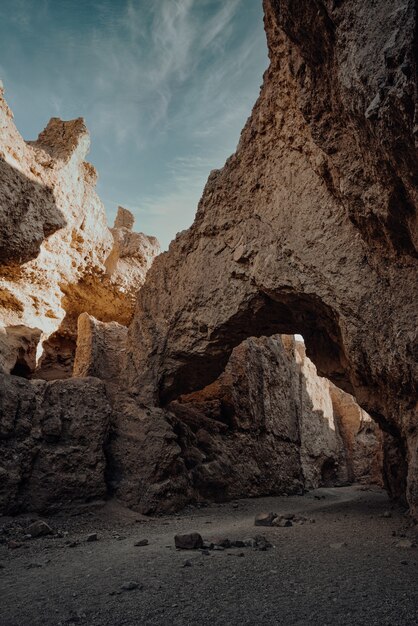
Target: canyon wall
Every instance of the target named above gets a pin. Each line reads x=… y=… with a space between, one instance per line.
x=267 y=425
x=309 y=228
x=58 y=258
x=52 y=437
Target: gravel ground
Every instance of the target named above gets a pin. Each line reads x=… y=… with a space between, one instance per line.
x=346 y=568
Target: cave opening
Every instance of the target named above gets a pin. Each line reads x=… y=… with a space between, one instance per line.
x=21 y=369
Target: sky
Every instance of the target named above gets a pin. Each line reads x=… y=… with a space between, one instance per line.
x=165 y=87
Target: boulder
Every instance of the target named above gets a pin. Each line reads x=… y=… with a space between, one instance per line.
x=190 y=541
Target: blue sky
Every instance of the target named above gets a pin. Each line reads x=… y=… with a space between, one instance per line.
x=165 y=87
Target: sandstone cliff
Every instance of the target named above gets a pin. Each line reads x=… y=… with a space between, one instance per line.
x=58 y=258
x=309 y=228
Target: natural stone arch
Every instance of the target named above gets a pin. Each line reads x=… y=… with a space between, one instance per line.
x=308 y=228
x=264 y=315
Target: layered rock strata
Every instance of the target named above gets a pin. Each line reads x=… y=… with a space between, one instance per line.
x=309 y=228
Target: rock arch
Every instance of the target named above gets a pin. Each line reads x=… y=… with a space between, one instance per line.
x=309 y=227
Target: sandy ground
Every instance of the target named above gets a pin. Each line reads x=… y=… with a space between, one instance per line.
x=307 y=577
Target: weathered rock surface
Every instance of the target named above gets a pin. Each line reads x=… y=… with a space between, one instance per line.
x=52 y=437
x=265 y=426
x=240 y=436
x=18 y=346
x=309 y=228
x=100 y=350
x=58 y=258
x=362 y=439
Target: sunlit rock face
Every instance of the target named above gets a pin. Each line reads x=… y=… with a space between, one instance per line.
x=58 y=261
x=309 y=228
x=58 y=258
x=340 y=443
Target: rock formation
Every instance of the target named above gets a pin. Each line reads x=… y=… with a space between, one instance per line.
x=266 y=426
x=58 y=258
x=309 y=228
x=52 y=437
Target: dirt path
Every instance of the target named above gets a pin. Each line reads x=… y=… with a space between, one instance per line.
x=307 y=577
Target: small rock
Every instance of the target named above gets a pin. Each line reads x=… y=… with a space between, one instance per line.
x=261 y=543
x=92 y=537
x=220 y=548
x=33 y=565
x=130 y=586
x=190 y=541
x=282 y=522
x=207 y=545
x=13 y=545
x=187 y=563
x=387 y=514
x=405 y=543
x=205 y=552
x=337 y=546
x=264 y=519
x=141 y=543
x=73 y=544
x=237 y=544
x=39 y=529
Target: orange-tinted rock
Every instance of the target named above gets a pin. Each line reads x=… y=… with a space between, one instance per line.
x=58 y=258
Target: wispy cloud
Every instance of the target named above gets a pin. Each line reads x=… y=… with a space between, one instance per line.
x=165 y=86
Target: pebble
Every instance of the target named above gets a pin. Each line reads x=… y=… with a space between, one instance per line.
x=39 y=529
x=141 y=542
x=189 y=541
x=187 y=563
x=130 y=586
x=264 y=519
x=337 y=546
x=405 y=543
x=92 y=537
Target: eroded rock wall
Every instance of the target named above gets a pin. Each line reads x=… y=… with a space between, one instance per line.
x=311 y=225
x=267 y=425
x=58 y=258
x=52 y=439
